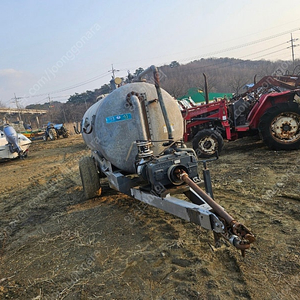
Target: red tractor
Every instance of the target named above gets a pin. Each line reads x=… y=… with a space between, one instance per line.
x=270 y=108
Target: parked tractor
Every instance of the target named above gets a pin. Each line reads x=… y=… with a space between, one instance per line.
x=54 y=131
x=269 y=109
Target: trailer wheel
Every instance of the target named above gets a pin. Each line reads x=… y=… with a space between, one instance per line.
x=207 y=143
x=89 y=177
x=279 y=126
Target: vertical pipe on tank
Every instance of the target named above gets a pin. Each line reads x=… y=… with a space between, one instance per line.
x=162 y=104
x=136 y=102
x=160 y=97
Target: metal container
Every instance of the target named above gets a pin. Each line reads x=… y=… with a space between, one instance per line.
x=130 y=113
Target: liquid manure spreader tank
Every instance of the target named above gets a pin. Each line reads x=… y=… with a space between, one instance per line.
x=135 y=136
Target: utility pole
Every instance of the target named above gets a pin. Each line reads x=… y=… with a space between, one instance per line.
x=18 y=106
x=112 y=81
x=113 y=71
x=293 y=46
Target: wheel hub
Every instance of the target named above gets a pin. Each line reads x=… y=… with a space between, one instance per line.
x=208 y=145
x=286 y=127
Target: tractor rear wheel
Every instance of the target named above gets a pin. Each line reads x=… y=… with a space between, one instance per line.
x=207 y=143
x=89 y=177
x=66 y=133
x=279 y=126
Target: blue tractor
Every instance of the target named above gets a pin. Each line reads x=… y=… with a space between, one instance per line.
x=54 y=131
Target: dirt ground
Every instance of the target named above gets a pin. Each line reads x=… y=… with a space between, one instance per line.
x=56 y=245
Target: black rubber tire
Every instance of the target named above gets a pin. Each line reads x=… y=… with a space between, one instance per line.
x=52 y=134
x=66 y=133
x=207 y=143
x=89 y=177
x=279 y=126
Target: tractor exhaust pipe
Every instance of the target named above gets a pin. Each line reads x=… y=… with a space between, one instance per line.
x=206 y=89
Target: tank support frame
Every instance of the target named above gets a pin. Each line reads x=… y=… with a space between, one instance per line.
x=200 y=213
x=202 y=210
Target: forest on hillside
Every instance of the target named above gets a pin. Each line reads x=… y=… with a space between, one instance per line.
x=224 y=75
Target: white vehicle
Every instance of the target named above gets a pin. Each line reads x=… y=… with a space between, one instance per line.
x=13 y=144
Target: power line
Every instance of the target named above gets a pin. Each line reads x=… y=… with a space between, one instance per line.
x=238 y=47
x=245 y=44
x=227 y=49
x=263 y=51
x=79 y=84
x=226 y=64
x=64 y=89
x=70 y=87
x=207 y=54
x=270 y=53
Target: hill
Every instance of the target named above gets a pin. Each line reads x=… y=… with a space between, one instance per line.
x=225 y=75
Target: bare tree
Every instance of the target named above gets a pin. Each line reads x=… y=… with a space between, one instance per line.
x=237 y=84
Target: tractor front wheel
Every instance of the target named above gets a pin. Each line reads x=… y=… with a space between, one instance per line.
x=279 y=126
x=207 y=143
x=52 y=134
x=89 y=177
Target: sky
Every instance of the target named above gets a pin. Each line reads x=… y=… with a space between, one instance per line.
x=53 y=49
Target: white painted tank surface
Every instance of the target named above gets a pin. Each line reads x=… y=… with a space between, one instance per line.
x=130 y=113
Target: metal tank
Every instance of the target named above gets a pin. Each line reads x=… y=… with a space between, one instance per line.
x=130 y=113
